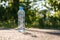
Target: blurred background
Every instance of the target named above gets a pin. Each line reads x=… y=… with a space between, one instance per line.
x=38 y=13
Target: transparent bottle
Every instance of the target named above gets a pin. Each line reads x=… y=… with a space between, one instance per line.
x=21 y=20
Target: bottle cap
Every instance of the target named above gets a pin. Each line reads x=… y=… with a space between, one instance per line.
x=20 y=8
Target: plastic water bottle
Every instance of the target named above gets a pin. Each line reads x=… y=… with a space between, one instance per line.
x=21 y=20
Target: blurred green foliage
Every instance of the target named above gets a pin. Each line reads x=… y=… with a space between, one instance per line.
x=44 y=18
x=9 y=17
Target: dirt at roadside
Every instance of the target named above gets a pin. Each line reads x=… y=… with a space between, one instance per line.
x=30 y=34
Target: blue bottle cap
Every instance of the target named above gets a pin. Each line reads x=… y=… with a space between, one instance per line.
x=20 y=8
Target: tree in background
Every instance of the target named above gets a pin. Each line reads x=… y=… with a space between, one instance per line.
x=54 y=4
x=38 y=13
x=50 y=12
x=9 y=14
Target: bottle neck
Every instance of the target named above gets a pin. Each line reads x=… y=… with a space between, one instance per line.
x=20 y=9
